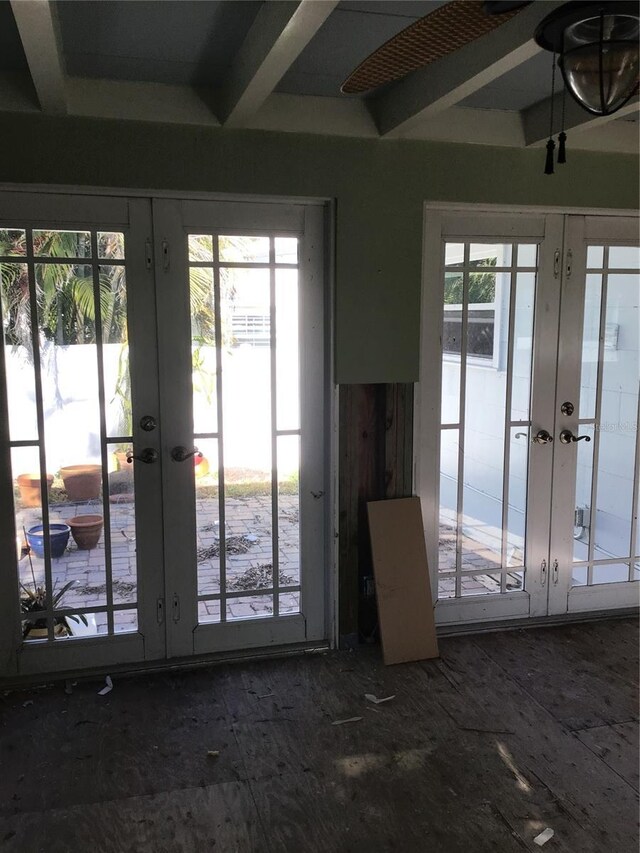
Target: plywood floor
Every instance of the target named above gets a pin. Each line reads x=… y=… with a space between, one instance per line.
x=503 y=736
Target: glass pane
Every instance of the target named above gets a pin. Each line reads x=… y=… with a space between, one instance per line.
x=527 y=255
x=454 y=254
x=289 y=603
x=579 y=576
x=517 y=496
x=584 y=477
x=12 y=242
x=15 y=314
x=617 y=437
x=287 y=349
x=245 y=250
x=249 y=607
x=111 y=245
x=523 y=345
x=200 y=247
x=490 y=255
x=448 y=499
x=447 y=587
x=286 y=250
x=203 y=350
x=123 y=525
x=62 y=244
x=208 y=611
x=246 y=384
x=289 y=509
x=590 y=344
x=125 y=621
x=595 y=257
x=115 y=350
x=205 y=470
x=480 y=584
x=482 y=288
x=624 y=257
x=617 y=573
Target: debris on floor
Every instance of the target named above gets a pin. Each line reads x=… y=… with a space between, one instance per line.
x=259 y=577
x=213 y=753
x=233 y=545
x=107 y=688
x=374 y=699
x=544 y=836
x=348 y=720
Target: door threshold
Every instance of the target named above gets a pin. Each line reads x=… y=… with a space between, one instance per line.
x=535 y=622
x=129 y=670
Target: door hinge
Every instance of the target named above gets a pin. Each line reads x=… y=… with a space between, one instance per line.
x=175 y=607
x=554 y=572
x=556 y=263
x=160 y=610
x=148 y=254
x=569 y=263
x=543 y=572
x=166 y=260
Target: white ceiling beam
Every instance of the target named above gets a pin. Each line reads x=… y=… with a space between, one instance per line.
x=38 y=27
x=276 y=38
x=535 y=119
x=447 y=81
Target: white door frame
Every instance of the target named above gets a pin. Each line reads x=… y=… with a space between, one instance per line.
x=533 y=602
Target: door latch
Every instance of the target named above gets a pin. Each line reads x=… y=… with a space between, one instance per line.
x=543 y=573
x=160 y=610
x=166 y=260
x=148 y=254
x=556 y=263
x=569 y=263
x=175 y=607
x=554 y=572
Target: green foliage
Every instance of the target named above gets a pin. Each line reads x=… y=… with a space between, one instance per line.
x=482 y=285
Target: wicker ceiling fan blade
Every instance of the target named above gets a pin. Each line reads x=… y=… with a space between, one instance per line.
x=439 y=33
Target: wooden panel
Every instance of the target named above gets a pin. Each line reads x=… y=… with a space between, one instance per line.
x=617 y=746
x=403 y=587
x=375 y=462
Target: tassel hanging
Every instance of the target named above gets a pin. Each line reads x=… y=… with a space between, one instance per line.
x=548 y=165
x=562 y=138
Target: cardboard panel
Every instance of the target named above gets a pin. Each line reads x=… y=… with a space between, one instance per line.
x=403 y=590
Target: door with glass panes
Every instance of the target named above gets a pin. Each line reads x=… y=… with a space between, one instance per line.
x=120 y=356
x=527 y=440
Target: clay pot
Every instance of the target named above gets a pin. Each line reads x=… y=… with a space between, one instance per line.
x=82 y=482
x=86 y=530
x=121 y=458
x=29 y=485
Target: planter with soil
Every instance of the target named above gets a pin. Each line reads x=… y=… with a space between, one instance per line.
x=86 y=530
x=29 y=486
x=82 y=482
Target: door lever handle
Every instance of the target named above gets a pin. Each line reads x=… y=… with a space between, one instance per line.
x=148 y=456
x=181 y=453
x=542 y=437
x=567 y=437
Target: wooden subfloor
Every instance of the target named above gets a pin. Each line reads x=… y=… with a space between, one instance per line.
x=479 y=751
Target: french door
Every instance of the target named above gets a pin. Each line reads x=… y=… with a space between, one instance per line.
x=162 y=474
x=526 y=436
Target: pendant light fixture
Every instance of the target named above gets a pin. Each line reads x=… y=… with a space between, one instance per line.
x=596 y=42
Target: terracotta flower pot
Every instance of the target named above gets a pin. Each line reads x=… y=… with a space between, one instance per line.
x=86 y=530
x=82 y=482
x=29 y=485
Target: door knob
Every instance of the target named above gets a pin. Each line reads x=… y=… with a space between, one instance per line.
x=148 y=456
x=567 y=437
x=542 y=437
x=181 y=453
x=148 y=423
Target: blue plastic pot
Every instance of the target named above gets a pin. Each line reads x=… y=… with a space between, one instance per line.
x=58 y=537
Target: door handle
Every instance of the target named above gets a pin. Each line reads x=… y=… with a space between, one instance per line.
x=567 y=437
x=181 y=454
x=148 y=456
x=542 y=437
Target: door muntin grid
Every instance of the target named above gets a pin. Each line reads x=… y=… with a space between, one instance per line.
x=489 y=295
x=65 y=334
x=246 y=403
x=606 y=534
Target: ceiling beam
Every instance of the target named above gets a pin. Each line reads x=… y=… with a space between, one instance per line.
x=535 y=119
x=38 y=27
x=276 y=38
x=449 y=80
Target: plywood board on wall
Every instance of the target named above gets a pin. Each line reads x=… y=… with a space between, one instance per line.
x=403 y=590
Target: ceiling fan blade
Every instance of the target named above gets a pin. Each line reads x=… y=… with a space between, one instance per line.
x=439 y=33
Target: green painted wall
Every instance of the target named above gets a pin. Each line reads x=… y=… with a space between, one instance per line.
x=379 y=187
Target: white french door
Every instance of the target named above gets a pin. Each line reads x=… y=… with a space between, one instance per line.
x=162 y=421
x=538 y=346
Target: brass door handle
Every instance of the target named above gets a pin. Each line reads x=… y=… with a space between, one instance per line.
x=542 y=437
